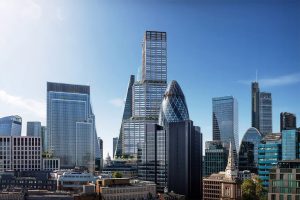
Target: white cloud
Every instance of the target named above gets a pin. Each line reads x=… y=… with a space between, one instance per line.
x=276 y=81
x=36 y=107
x=117 y=102
x=31 y=10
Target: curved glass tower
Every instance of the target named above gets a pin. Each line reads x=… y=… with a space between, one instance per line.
x=248 y=153
x=11 y=126
x=173 y=107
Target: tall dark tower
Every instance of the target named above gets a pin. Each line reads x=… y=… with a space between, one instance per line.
x=287 y=121
x=255 y=104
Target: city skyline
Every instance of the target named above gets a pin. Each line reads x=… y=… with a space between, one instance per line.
x=218 y=57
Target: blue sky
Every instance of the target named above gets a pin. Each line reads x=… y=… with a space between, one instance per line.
x=214 y=49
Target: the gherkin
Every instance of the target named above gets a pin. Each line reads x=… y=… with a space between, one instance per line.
x=173 y=107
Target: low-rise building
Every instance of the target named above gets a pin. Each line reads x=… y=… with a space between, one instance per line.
x=284 y=182
x=123 y=188
x=74 y=181
x=51 y=164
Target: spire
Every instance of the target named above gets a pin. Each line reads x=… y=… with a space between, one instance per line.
x=231 y=169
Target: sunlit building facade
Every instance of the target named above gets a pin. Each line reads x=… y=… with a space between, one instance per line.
x=71 y=133
x=11 y=126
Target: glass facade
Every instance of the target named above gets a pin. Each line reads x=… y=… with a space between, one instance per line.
x=255 y=104
x=225 y=121
x=287 y=121
x=265 y=113
x=34 y=129
x=147 y=93
x=248 y=153
x=290 y=144
x=269 y=153
x=216 y=156
x=173 y=107
x=11 y=126
x=70 y=125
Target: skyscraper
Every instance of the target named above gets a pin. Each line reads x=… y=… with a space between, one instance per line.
x=287 y=121
x=71 y=132
x=34 y=129
x=115 y=142
x=290 y=144
x=171 y=154
x=248 y=152
x=265 y=113
x=147 y=93
x=255 y=104
x=225 y=121
x=11 y=126
x=261 y=109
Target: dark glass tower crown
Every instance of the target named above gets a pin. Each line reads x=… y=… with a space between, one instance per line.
x=173 y=107
x=255 y=104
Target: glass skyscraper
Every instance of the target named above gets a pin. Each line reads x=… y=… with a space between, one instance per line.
x=34 y=129
x=11 y=126
x=290 y=144
x=261 y=109
x=287 y=121
x=147 y=93
x=225 y=121
x=248 y=153
x=71 y=133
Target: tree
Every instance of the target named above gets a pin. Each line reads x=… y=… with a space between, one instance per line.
x=253 y=189
x=117 y=175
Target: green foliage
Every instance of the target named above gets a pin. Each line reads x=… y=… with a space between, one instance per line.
x=253 y=189
x=117 y=175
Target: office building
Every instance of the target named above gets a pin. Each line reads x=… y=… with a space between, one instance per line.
x=71 y=132
x=269 y=153
x=44 y=138
x=34 y=129
x=171 y=152
x=225 y=184
x=287 y=121
x=123 y=188
x=51 y=164
x=284 y=181
x=147 y=93
x=20 y=153
x=127 y=113
x=261 y=109
x=255 y=104
x=127 y=168
x=115 y=143
x=290 y=144
x=216 y=156
x=11 y=126
x=265 y=113
x=99 y=157
x=225 y=121
x=248 y=153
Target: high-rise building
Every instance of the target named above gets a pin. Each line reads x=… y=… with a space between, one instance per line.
x=284 y=181
x=71 y=132
x=11 y=126
x=225 y=184
x=147 y=93
x=265 y=113
x=225 y=121
x=171 y=154
x=269 y=153
x=99 y=157
x=216 y=156
x=34 y=129
x=290 y=144
x=44 y=138
x=127 y=114
x=261 y=109
x=248 y=153
x=287 y=121
x=115 y=143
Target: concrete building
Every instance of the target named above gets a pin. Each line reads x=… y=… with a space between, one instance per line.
x=285 y=181
x=20 y=153
x=127 y=168
x=223 y=185
x=123 y=189
x=51 y=164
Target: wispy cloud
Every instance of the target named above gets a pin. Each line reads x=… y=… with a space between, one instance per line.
x=31 y=10
x=36 y=107
x=276 y=81
x=117 y=102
